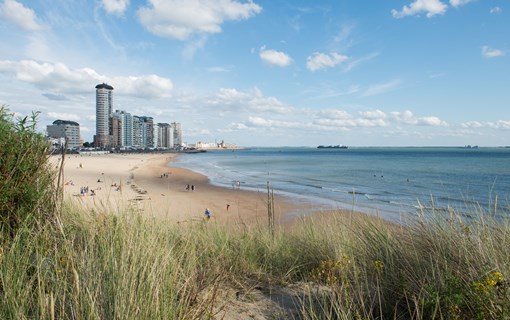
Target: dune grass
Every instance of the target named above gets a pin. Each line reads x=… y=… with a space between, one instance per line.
x=61 y=262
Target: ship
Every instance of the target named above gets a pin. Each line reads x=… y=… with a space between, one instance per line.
x=339 y=146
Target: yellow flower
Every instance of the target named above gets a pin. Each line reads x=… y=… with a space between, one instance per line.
x=379 y=265
x=481 y=287
x=490 y=282
x=496 y=276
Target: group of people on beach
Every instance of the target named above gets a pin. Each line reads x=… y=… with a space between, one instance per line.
x=165 y=175
x=190 y=187
x=85 y=190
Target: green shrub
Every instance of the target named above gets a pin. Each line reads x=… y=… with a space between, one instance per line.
x=27 y=187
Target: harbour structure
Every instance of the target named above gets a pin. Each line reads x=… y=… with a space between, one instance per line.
x=104 y=106
x=67 y=130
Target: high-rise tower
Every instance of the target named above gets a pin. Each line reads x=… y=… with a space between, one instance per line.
x=104 y=107
x=177 y=133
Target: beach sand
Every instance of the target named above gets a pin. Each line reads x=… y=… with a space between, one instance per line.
x=146 y=183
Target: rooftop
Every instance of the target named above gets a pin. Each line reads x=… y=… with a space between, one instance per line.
x=104 y=86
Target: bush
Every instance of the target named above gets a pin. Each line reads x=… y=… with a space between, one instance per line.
x=27 y=186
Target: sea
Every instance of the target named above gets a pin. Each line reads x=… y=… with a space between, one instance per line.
x=394 y=183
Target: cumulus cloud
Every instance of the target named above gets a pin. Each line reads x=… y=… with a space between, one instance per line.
x=337 y=120
x=430 y=7
x=341 y=118
x=458 y=3
x=117 y=7
x=472 y=125
x=319 y=60
x=59 y=78
x=488 y=52
x=375 y=114
x=180 y=19
x=253 y=100
x=18 y=14
x=274 y=57
x=501 y=124
x=407 y=117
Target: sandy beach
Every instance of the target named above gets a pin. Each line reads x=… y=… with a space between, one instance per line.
x=146 y=183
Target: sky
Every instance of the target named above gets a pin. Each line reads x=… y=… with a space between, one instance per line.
x=268 y=72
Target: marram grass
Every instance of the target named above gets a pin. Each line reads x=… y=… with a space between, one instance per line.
x=122 y=266
x=61 y=262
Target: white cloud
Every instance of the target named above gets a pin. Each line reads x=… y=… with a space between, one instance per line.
x=21 y=16
x=180 y=19
x=499 y=124
x=491 y=53
x=407 y=117
x=352 y=63
x=375 y=114
x=431 y=7
x=63 y=116
x=496 y=10
x=381 y=88
x=472 y=124
x=321 y=60
x=59 y=78
x=341 y=118
x=193 y=46
x=117 y=7
x=431 y=121
x=458 y=3
x=261 y=122
x=252 y=100
x=274 y=57
x=218 y=69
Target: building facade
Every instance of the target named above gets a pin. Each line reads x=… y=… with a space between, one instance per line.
x=148 y=132
x=68 y=130
x=104 y=107
x=125 y=128
x=177 y=134
x=165 y=136
x=137 y=132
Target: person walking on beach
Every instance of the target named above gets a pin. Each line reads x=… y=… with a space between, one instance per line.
x=207 y=213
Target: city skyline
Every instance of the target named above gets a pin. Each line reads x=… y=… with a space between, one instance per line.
x=119 y=129
x=269 y=73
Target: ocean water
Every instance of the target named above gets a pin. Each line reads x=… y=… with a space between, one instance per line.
x=390 y=182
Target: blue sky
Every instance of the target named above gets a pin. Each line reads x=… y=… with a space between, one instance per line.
x=268 y=73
